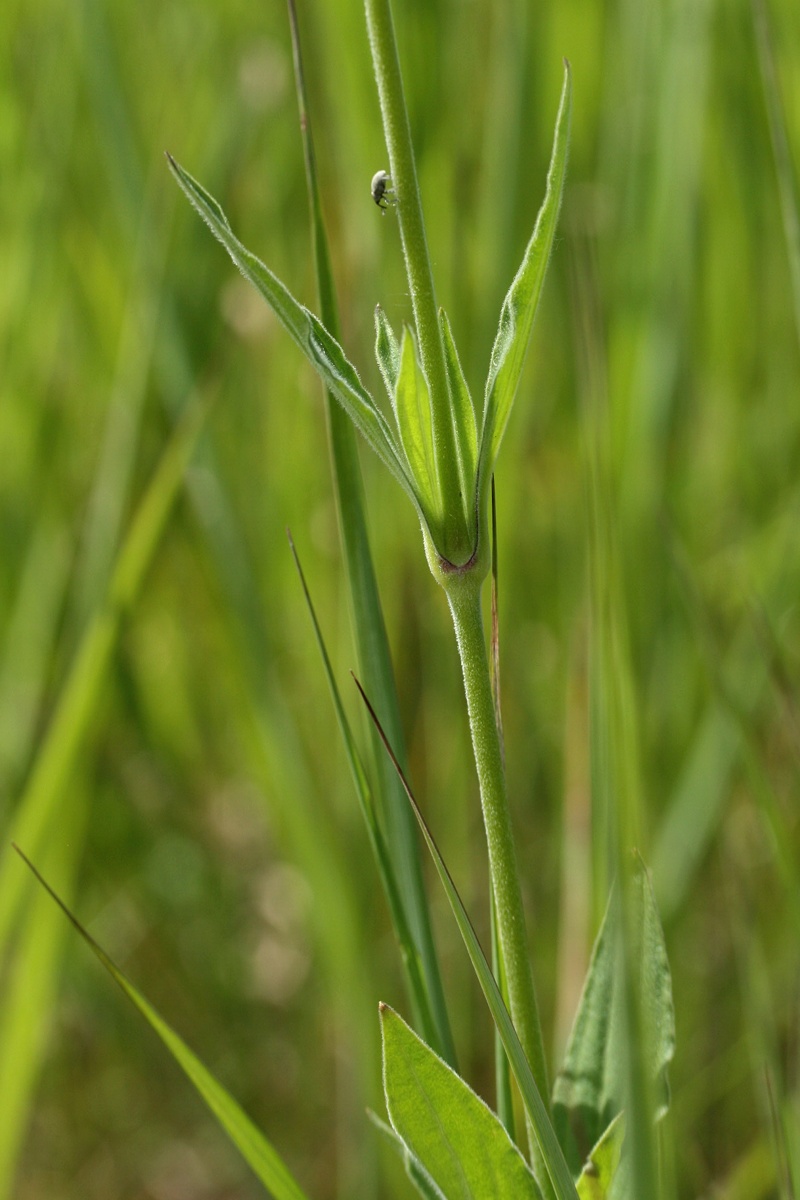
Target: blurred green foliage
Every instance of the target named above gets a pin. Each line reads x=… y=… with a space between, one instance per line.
x=223 y=862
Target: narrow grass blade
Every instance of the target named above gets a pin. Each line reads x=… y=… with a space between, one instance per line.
x=383 y=859
x=505 y=1104
x=38 y=806
x=460 y=1143
x=30 y=986
x=369 y=629
x=319 y=346
x=248 y=1139
x=522 y=300
x=559 y=1175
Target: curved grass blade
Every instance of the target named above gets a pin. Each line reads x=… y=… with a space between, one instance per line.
x=248 y=1139
x=383 y=859
x=29 y=988
x=369 y=629
x=559 y=1175
x=522 y=300
x=319 y=346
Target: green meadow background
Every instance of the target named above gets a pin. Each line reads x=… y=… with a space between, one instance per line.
x=195 y=809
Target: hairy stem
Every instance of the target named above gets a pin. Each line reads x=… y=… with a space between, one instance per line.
x=465 y=606
x=402 y=168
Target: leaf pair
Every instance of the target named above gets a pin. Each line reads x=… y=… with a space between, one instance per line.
x=408 y=451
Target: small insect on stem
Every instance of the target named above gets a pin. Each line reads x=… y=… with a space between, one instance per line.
x=381 y=190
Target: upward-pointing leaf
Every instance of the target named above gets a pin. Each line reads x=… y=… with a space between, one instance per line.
x=412 y=410
x=522 y=300
x=589 y=1090
x=448 y=1129
x=463 y=416
x=322 y=350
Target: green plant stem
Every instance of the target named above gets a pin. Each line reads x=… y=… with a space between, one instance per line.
x=403 y=171
x=464 y=595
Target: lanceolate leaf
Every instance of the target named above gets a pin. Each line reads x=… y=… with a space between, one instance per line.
x=522 y=300
x=589 y=1089
x=322 y=350
x=248 y=1139
x=464 y=417
x=460 y=1143
x=412 y=410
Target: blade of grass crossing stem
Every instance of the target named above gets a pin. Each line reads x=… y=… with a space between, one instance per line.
x=368 y=624
x=559 y=1175
x=505 y=1106
x=615 y=774
x=248 y=1139
x=502 y=1071
x=77 y=704
x=408 y=950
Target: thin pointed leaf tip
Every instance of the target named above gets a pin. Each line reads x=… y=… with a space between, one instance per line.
x=520 y=305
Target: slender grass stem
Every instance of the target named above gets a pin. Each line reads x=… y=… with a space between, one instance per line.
x=465 y=605
x=402 y=167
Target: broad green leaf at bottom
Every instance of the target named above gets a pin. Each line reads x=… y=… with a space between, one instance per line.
x=458 y=1140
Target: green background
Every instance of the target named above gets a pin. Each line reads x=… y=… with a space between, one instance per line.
x=209 y=816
